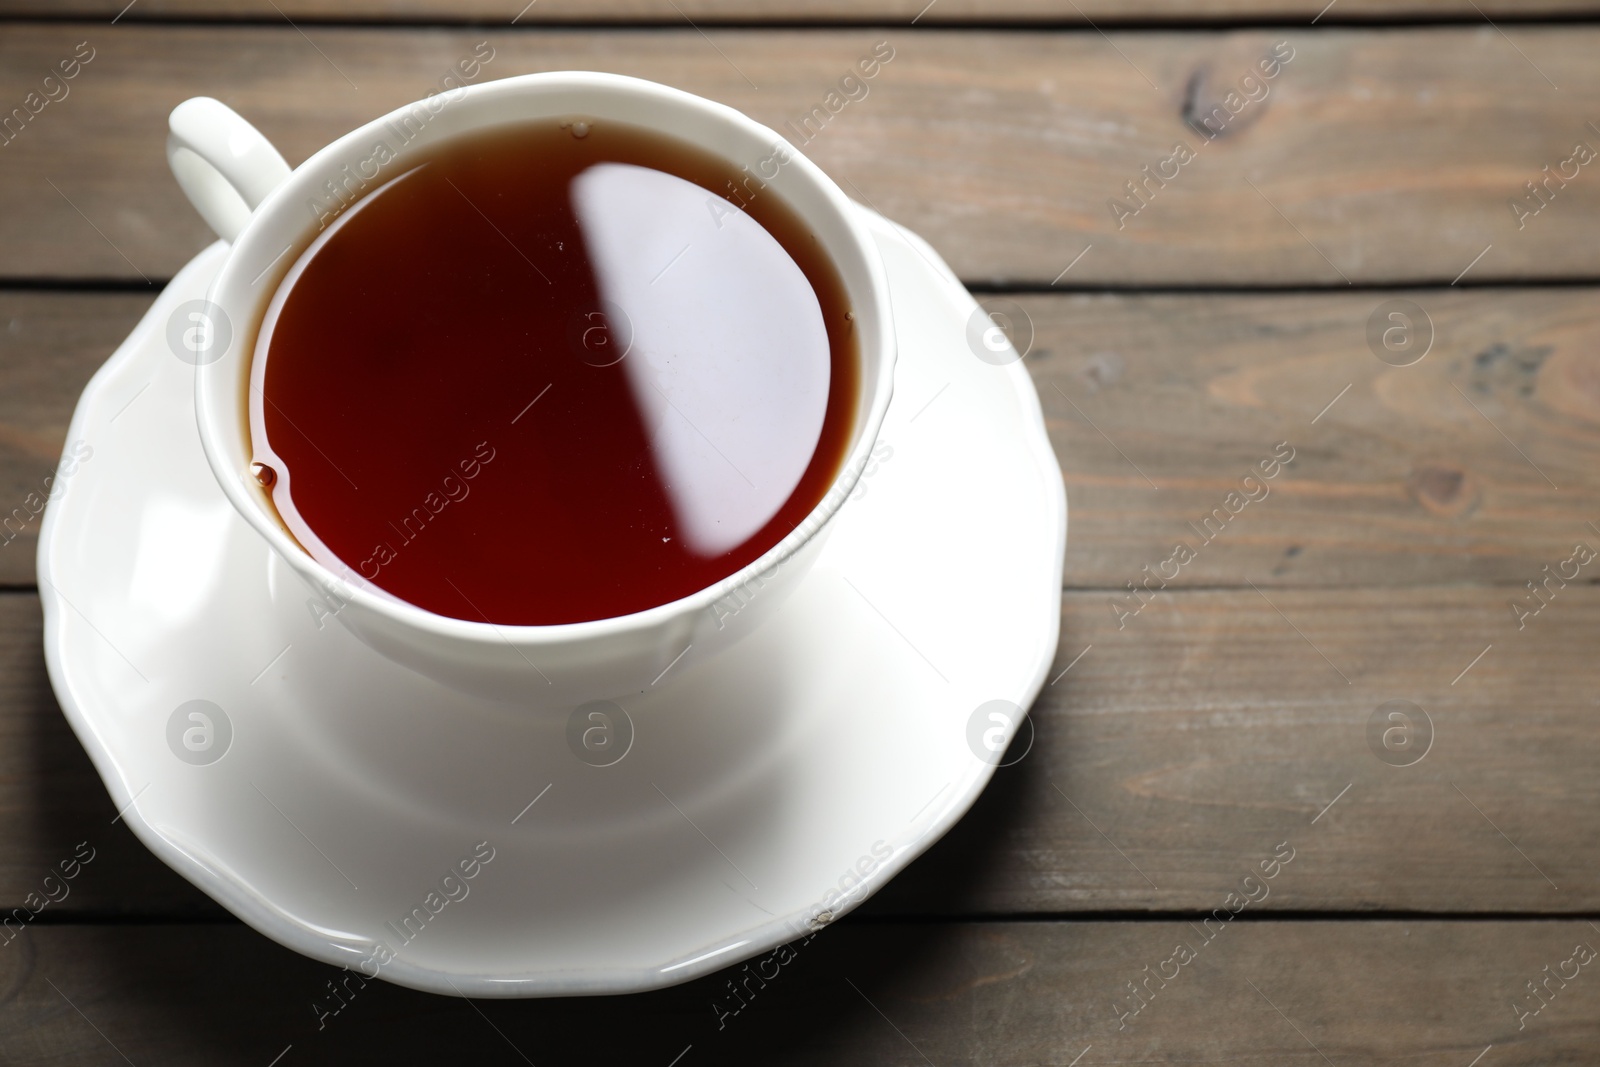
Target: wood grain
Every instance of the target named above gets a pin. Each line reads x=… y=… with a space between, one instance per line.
x=754 y=11
x=1213 y=725
x=952 y=994
x=1166 y=765
x=50 y=346
x=1377 y=156
x=1401 y=482
x=1480 y=463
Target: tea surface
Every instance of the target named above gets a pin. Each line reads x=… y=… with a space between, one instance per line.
x=553 y=373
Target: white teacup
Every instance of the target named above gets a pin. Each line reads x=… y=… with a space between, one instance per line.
x=270 y=215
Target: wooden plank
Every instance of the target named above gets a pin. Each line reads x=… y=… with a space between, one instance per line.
x=1167 y=764
x=1400 y=482
x=1258 y=994
x=1443 y=471
x=50 y=345
x=1375 y=157
x=747 y=11
x=1214 y=725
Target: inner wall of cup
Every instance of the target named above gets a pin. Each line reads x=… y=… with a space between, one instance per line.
x=290 y=217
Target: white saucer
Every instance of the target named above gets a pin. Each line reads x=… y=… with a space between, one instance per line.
x=759 y=785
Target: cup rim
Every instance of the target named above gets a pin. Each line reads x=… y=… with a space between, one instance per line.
x=358 y=591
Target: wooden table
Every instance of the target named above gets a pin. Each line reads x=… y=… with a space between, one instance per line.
x=1234 y=713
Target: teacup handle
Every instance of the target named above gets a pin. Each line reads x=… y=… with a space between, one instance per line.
x=224 y=165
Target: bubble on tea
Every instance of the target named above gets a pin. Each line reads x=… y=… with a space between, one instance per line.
x=264 y=475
